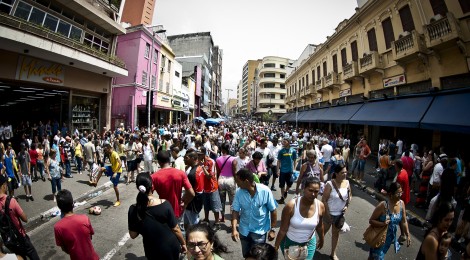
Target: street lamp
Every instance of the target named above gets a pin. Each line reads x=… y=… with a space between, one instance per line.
x=150 y=93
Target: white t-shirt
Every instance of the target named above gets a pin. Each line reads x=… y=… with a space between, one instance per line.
x=436 y=174
x=264 y=152
x=400 y=147
x=327 y=151
x=241 y=163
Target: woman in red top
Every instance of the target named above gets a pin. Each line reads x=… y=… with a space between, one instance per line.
x=402 y=178
x=33 y=154
x=408 y=164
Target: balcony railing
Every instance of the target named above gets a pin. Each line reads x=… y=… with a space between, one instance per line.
x=37 y=30
x=350 y=71
x=408 y=47
x=370 y=63
x=442 y=31
x=319 y=85
x=331 y=80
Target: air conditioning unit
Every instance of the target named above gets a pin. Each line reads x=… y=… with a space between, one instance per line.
x=435 y=18
x=403 y=34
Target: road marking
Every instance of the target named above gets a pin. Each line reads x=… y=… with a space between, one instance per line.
x=113 y=251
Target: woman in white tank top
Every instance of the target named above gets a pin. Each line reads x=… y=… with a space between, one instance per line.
x=335 y=204
x=300 y=219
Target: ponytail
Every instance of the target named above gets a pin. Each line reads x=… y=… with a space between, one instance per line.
x=144 y=185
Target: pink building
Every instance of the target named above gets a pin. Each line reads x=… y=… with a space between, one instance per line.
x=130 y=94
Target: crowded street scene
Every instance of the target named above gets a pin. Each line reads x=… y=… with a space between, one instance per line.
x=141 y=129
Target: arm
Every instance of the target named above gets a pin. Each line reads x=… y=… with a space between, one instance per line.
x=321 y=171
x=301 y=175
x=188 y=197
x=404 y=225
x=217 y=169
x=133 y=234
x=378 y=211
x=325 y=197
x=234 y=166
x=319 y=229
x=179 y=235
x=235 y=234
x=429 y=248
x=287 y=214
x=271 y=232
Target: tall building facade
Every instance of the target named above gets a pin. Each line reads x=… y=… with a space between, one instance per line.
x=137 y=12
x=199 y=48
x=58 y=61
x=248 y=77
x=270 y=87
x=389 y=70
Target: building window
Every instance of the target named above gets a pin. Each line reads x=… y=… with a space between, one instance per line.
x=306 y=79
x=324 y=69
x=269 y=65
x=465 y=5
x=269 y=85
x=439 y=7
x=269 y=75
x=155 y=56
x=354 y=52
x=335 y=63
x=283 y=96
x=168 y=87
x=283 y=66
x=177 y=74
x=154 y=81
x=144 y=78
x=147 y=50
x=406 y=19
x=96 y=42
x=313 y=76
x=344 y=59
x=372 y=40
x=303 y=82
x=318 y=73
x=169 y=65
x=6 y=5
x=388 y=32
x=282 y=106
x=163 y=63
x=283 y=76
x=283 y=86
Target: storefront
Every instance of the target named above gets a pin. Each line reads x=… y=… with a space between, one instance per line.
x=163 y=109
x=38 y=91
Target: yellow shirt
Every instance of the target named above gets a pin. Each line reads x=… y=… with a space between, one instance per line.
x=78 y=150
x=115 y=162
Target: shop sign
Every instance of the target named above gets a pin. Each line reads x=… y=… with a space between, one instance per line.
x=36 y=70
x=165 y=99
x=176 y=103
x=345 y=92
x=394 y=81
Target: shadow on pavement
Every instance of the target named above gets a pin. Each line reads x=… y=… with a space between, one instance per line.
x=134 y=257
x=49 y=197
x=103 y=203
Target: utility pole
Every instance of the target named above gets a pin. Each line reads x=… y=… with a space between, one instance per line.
x=228 y=93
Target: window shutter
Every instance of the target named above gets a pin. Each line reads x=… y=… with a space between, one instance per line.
x=354 y=51
x=406 y=19
x=372 y=40
x=388 y=32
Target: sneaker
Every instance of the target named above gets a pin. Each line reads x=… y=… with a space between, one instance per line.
x=55 y=200
x=43 y=179
x=281 y=201
x=19 y=184
x=401 y=239
x=80 y=173
x=117 y=203
x=31 y=198
x=285 y=194
x=27 y=198
x=273 y=189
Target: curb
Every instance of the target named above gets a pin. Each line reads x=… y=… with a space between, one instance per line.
x=413 y=218
x=45 y=216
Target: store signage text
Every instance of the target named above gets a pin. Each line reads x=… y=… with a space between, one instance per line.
x=394 y=81
x=345 y=92
x=35 y=70
x=165 y=99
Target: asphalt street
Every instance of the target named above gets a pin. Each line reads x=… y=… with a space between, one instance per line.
x=111 y=240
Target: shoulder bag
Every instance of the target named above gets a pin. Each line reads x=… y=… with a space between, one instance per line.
x=298 y=252
x=375 y=236
x=339 y=222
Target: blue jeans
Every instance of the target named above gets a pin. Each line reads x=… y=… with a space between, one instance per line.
x=362 y=165
x=68 y=170
x=79 y=163
x=56 y=185
x=40 y=166
x=250 y=240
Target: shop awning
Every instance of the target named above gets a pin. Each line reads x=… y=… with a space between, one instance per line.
x=283 y=117
x=313 y=115
x=449 y=113
x=294 y=115
x=406 y=112
x=339 y=114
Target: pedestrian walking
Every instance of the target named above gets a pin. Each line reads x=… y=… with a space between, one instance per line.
x=391 y=212
x=255 y=206
x=301 y=221
x=310 y=168
x=336 y=198
x=73 y=232
x=25 y=171
x=78 y=153
x=285 y=165
x=428 y=166
x=54 y=173
x=154 y=219
x=226 y=169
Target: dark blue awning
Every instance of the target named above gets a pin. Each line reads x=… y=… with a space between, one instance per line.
x=339 y=114
x=449 y=113
x=283 y=117
x=406 y=112
x=312 y=115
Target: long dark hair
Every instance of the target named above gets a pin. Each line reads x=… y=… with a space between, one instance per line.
x=144 y=185
x=217 y=246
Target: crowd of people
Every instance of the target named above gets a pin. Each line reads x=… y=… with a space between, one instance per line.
x=181 y=170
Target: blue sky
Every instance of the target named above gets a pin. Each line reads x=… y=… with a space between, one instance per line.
x=254 y=29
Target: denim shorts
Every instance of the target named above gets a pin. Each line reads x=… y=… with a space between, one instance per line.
x=362 y=165
x=212 y=201
x=109 y=172
x=190 y=217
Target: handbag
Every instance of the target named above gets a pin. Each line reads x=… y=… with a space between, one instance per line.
x=339 y=222
x=297 y=252
x=375 y=236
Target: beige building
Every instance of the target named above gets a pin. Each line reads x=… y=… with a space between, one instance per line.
x=248 y=76
x=232 y=106
x=388 y=51
x=138 y=12
x=270 y=87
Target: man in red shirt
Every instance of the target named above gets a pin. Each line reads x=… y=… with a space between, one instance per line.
x=169 y=183
x=402 y=178
x=16 y=214
x=211 y=188
x=73 y=232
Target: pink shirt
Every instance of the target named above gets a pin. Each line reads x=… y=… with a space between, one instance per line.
x=227 y=170
x=15 y=212
x=261 y=167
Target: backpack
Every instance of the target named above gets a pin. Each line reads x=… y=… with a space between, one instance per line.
x=11 y=236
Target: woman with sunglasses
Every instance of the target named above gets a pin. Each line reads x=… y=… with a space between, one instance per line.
x=203 y=244
x=441 y=221
x=392 y=213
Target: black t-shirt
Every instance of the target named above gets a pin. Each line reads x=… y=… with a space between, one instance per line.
x=159 y=240
x=196 y=204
